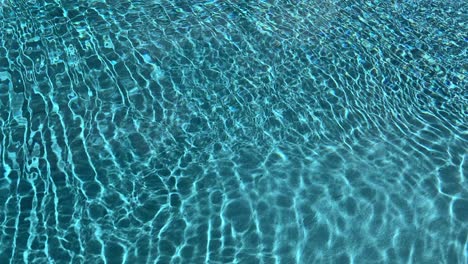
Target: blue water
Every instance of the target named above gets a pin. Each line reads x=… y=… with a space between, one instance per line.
x=233 y=131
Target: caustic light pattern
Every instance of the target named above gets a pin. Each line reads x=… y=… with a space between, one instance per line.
x=233 y=131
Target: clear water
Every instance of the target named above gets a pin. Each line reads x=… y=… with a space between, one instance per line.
x=233 y=132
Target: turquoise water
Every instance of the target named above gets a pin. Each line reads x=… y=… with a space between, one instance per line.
x=233 y=131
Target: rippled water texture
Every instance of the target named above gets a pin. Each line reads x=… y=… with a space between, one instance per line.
x=228 y=132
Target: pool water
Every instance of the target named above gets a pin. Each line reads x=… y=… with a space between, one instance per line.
x=233 y=131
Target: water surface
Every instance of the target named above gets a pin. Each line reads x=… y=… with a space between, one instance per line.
x=225 y=132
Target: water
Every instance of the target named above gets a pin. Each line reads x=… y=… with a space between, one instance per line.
x=229 y=132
